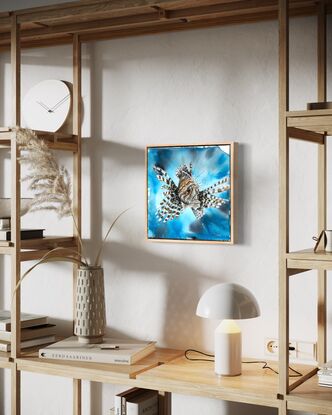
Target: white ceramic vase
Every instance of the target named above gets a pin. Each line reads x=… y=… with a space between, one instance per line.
x=90 y=319
x=5 y=206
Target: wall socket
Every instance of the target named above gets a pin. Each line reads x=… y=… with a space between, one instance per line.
x=298 y=349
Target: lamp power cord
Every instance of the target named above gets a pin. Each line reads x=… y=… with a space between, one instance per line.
x=263 y=362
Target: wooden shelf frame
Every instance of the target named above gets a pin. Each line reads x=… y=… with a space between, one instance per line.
x=319 y=121
x=90 y=20
x=167 y=370
x=307 y=260
x=34 y=249
x=97 y=372
x=97 y=20
x=55 y=141
x=311 y=126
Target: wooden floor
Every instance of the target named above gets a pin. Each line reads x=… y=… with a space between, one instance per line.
x=96 y=20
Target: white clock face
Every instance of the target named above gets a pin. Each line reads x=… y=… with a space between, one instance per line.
x=46 y=106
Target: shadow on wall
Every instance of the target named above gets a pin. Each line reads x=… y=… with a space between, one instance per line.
x=181 y=280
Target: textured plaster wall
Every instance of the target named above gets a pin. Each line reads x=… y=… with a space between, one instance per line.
x=192 y=87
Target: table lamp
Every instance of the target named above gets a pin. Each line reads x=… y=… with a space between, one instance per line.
x=228 y=302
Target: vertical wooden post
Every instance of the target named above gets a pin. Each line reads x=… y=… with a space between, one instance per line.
x=321 y=51
x=283 y=196
x=165 y=403
x=77 y=394
x=282 y=410
x=15 y=214
x=322 y=180
x=77 y=121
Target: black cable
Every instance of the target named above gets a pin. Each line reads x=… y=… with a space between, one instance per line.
x=266 y=366
x=263 y=362
x=199 y=352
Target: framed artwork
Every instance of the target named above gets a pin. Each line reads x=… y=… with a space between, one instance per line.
x=190 y=193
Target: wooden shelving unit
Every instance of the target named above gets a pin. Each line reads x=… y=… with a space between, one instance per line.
x=167 y=370
x=311 y=126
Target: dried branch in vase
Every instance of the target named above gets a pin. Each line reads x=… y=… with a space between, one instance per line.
x=49 y=182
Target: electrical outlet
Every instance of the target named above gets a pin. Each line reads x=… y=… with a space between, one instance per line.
x=271 y=346
x=297 y=349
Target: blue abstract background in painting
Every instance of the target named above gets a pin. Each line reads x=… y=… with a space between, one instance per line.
x=210 y=163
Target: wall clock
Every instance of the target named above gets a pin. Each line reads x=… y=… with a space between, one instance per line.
x=47 y=105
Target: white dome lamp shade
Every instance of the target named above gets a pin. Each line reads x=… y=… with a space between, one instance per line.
x=228 y=302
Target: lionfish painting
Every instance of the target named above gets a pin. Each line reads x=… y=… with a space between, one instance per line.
x=189 y=192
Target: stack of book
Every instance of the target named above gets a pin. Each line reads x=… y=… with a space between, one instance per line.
x=35 y=331
x=136 y=401
x=325 y=375
x=5 y=231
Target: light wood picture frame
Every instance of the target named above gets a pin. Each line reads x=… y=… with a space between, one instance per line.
x=190 y=193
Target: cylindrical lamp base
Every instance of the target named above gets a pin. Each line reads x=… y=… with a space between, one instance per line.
x=227 y=349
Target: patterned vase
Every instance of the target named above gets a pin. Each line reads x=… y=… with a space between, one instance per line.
x=90 y=319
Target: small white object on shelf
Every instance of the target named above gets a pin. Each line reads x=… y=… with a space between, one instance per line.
x=5 y=206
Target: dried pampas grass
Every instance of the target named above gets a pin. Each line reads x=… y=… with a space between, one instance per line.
x=51 y=186
x=49 y=182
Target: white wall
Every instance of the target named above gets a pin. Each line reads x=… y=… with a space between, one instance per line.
x=191 y=87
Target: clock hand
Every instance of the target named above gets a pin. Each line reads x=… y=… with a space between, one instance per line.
x=44 y=106
x=60 y=102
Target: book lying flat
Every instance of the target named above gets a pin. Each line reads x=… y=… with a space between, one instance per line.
x=31 y=332
x=118 y=351
x=5 y=346
x=5 y=235
x=27 y=320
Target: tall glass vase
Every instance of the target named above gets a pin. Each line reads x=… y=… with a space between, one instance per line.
x=90 y=319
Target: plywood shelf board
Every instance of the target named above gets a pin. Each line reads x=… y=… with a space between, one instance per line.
x=49 y=242
x=255 y=385
x=308 y=259
x=36 y=248
x=99 y=372
x=55 y=141
x=310 y=396
x=309 y=254
x=308 y=113
x=321 y=125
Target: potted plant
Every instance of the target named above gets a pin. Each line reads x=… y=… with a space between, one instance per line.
x=51 y=186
